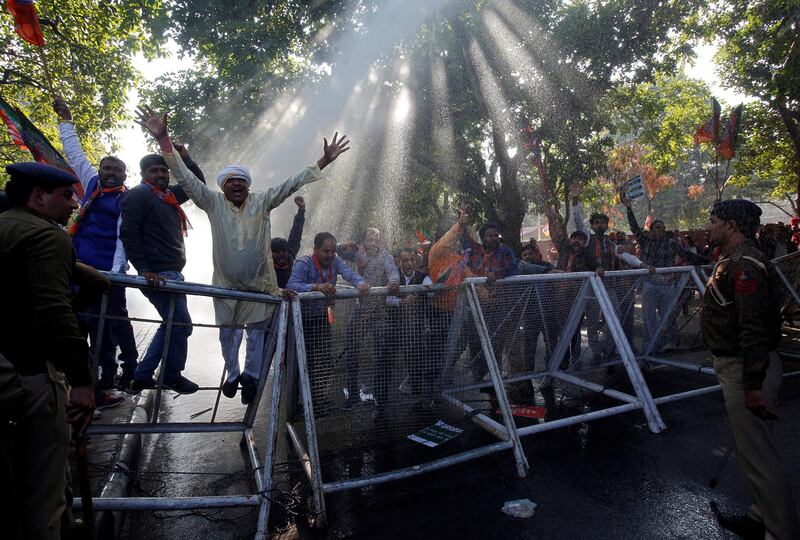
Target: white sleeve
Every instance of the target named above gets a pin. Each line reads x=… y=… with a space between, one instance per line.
x=76 y=157
x=577 y=221
x=196 y=190
x=276 y=195
x=120 y=263
x=629 y=259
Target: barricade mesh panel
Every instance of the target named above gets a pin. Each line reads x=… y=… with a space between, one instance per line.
x=204 y=359
x=640 y=303
x=525 y=320
x=376 y=367
x=790 y=266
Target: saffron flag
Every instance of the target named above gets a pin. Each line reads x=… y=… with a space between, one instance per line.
x=28 y=137
x=709 y=132
x=730 y=135
x=26 y=22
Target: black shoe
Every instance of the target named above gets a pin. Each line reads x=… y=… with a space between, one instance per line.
x=230 y=388
x=181 y=385
x=248 y=388
x=137 y=385
x=125 y=380
x=743 y=526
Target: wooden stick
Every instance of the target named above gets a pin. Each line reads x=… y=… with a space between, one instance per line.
x=46 y=71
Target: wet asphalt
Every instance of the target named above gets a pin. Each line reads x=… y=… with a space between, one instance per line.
x=610 y=478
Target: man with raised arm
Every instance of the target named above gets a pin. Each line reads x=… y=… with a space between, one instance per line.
x=659 y=251
x=95 y=236
x=609 y=257
x=240 y=230
x=284 y=251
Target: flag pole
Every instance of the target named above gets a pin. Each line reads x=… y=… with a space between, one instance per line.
x=46 y=71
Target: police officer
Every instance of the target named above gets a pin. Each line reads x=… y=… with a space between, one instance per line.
x=40 y=339
x=741 y=324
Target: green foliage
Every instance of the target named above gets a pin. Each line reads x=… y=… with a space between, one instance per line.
x=89 y=53
x=760 y=56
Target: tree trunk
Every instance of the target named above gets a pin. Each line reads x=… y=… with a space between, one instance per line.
x=510 y=208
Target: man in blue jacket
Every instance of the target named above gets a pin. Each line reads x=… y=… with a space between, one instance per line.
x=95 y=236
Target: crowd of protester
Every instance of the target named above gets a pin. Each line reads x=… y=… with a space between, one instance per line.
x=146 y=225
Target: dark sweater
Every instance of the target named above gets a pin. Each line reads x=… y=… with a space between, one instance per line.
x=151 y=229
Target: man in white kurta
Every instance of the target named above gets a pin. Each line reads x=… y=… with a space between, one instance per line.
x=240 y=230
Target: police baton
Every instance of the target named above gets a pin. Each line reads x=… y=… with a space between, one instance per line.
x=82 y=460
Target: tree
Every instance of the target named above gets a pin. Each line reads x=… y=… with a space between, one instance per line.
x=89 y=52
x=759 y=55
x=549 y=63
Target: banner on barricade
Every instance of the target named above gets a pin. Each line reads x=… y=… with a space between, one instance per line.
x=433 y=436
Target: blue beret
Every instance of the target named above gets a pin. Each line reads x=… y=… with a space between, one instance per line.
x=39 y=174
x=734 y=209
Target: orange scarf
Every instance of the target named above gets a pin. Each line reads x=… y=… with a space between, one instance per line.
x=78 y=219
x=169 y=198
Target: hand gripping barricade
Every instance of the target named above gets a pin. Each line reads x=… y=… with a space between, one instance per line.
x=271 y=349
x=382 y=377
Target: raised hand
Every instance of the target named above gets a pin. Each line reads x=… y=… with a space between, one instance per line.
x=623 y=196
x=60 y=106
x=149 y=120
x=300 y=202
x=182 y=150
x=333 y=150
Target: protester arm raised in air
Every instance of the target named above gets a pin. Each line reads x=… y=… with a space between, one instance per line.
x=73 y=150
x=296 y=234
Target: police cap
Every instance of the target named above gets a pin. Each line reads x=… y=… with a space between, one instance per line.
x=744 y=213
x=39 y=174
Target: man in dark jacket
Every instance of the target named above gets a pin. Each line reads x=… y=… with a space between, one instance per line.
x=153 y=227
x=41 y=340
x=284 y=252
x=741 y=324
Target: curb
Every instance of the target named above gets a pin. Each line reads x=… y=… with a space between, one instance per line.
x=109 y=522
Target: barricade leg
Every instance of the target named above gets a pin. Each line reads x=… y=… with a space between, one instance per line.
x=313 y=469
x=654 y=421
x=494 y=372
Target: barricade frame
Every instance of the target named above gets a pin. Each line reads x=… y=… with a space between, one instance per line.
x=309 y=456
x=272 y=349
x=641 y=400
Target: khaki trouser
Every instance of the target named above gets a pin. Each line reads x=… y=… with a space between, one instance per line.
x=766 y=479
x=39 y=456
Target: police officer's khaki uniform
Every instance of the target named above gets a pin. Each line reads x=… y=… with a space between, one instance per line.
x=39 y=336
x=742 y=327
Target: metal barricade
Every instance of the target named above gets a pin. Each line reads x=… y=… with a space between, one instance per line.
x=373 y=378
x=269 y=349
x=787 y=268
x=520 y=309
